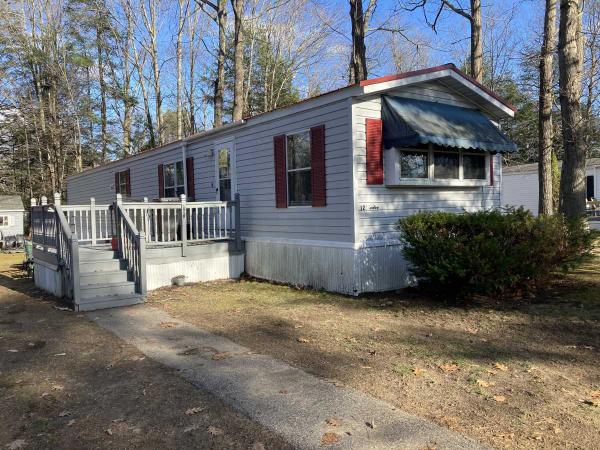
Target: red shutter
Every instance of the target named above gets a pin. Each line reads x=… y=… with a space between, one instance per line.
x=117 y=183
x=317 y=155
x=491 y=169
x=128 y=183
x=374 y=151
x=161 y=182
x=280 y=172
x=189 y=171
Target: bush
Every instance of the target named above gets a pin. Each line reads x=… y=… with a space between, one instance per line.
x=490 y=252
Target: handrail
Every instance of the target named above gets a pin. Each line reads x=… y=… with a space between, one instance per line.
x=132 y=247
x=64 y=224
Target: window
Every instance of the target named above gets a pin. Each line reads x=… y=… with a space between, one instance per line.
x=122 y=188
x=474 y=167
x=589 y=187
x=173 y=176
x=299 y=169
x=446 y=165
x=4 y=221
x=414 y=164
x=224 y=174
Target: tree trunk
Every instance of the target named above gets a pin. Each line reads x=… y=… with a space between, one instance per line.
x=358 y=60
x=570 y=62
x=238 y=60
x=220 y=80
x=476 y=41
x=179 y=56
x=545 y=126
x=102 y=81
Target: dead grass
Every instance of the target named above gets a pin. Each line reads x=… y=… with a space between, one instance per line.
x=66 y=383
x=516 y=376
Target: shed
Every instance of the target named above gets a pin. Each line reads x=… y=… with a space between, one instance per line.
x=11 y=215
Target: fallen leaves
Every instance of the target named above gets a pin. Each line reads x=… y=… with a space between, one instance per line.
x=13 y=350
x=168 y=324
x=501 y=366
x=64 y=413
x=499 y=398
x=189 y=352
x=303 y=340
x=330 y=438
x=333 y=421
x=16 y=444
x=220 y=356
x=449 y=368
x=417 y=371
x=483 y=383
x=595 y=394
x=195 y=410
x=214 y=431
x=191 y=428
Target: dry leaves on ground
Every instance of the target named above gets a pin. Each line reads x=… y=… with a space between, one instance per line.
x=215 y=431
x=418 y=371
x=220 y=356
x=449 y=368
x=192 y=411
x=303 y=340
x=330 y=438
x=501 y=366
x=499 y=398
x=483 y=383
x=333 y=421
x=16 y=444
x=168 y=324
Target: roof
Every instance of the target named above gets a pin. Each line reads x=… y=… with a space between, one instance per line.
x=446 y=74
x=409 y=122
x=11 y=203
x=533 y=167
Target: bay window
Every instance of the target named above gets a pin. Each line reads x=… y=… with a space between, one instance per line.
x=436 y=166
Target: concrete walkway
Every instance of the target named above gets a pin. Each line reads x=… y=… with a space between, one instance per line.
x=287 y=400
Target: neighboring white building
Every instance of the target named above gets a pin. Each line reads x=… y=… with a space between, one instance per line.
x=520 y=185
x=11 y=215
x=323 y=182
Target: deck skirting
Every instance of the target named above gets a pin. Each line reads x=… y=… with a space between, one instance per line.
x=338 y=269
x=199 y=269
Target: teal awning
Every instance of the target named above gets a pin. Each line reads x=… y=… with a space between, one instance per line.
x=408 y=122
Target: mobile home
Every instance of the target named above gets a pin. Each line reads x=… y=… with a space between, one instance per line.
x=322 y=183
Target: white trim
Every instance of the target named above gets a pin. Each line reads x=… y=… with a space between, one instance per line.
x=175 y=186
x=330 y=244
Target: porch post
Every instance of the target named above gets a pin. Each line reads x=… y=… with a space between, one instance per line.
x=44 y=200
x=33 y=202
x=142 y=261
x=93 y=219
x=57 y=198
x=118 y=202
x=183 y=224
x=238 y=223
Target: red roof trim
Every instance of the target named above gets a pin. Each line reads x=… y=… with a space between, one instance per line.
x=452 y=67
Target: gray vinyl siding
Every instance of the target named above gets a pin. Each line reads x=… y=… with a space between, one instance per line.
x=16 y=221
x=385 y=205
x=255 y=176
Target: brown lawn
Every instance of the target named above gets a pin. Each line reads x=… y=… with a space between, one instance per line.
x=66 y=383
x=514 y=376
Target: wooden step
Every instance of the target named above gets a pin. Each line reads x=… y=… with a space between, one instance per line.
x=110 y=265
x=103 y=277
x=106 y=289
x=108 y=301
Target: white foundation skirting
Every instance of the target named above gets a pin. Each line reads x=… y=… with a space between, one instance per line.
x=195 y=270
x=345 y=270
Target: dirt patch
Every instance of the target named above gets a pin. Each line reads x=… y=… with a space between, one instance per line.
x=66 y=383
x=524 y=376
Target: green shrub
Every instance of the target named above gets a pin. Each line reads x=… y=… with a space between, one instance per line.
x=490 y=252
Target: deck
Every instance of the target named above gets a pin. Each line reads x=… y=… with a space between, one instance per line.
x=100 y=256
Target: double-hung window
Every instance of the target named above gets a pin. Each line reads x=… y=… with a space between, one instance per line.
x=174 y=179
x=122 y=183
x=4 y=221
x=299 y=170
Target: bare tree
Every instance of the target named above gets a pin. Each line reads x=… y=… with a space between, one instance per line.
x=238 y=59
x=545 y=126
x=220 y=17
x=359 y=21
x=570 y=62
x=150 y=17
x=473 y=15
x=182 y=13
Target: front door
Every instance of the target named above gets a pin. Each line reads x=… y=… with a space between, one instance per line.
x=225 y=171
x=590 y=187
